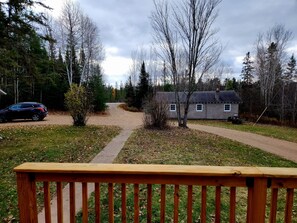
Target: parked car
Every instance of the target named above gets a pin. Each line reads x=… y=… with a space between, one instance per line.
x=24 y=110
x=235 y=119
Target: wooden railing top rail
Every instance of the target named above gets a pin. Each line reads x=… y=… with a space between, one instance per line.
x=148 y=169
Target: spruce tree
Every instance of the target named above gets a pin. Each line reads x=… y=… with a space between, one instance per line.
x=97 y=89
x=291 y=68
x=247 y=70
x=130 y=94
x=143 y=87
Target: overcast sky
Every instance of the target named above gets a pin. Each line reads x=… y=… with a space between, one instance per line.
x=125 y=26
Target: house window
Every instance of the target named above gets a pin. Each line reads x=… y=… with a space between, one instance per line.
x=172 y=107
x=227 y=107
x=199 y=107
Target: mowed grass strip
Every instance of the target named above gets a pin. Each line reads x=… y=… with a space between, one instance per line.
x=44 y=144
x=191 y=147
x=278 y=132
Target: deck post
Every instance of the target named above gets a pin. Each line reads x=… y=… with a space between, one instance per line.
x=26 y=188
x=258 y=203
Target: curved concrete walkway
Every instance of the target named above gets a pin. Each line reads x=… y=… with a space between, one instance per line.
x=285 y=149
x=128 y=122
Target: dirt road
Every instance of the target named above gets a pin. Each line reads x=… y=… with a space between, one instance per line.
x=115 y=116
x=285 y=149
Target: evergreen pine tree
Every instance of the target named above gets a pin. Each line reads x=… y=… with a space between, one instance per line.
x=130 y=94
x=247 y=70
x=97 y=89
x=143 y=88
x=291 y=68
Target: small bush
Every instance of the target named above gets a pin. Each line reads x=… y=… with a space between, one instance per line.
x=76 y=100
x=155 y=114
x=130 y=109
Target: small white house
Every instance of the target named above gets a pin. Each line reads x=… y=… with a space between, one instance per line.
x=204 y=104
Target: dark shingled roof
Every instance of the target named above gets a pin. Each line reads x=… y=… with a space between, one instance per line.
x=203 y=97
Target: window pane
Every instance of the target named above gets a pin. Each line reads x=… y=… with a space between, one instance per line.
x=227 y=107
x=199 y=107
x=172 y=107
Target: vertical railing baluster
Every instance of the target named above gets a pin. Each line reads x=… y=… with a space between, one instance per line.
x=163 y=203
x=149 y=203
x=190 y=204
x=59 y=202
x=218 y=205
x=124 y=203
x=72 y=202
x=136 y=203
x=289 y=205
x=249 y=205
x=232 y=204
x=176 y=203
x=273 y=205
x=110 y=203
x=203 y=204
x=47 y=202
x=85 y=202
x=97 y=202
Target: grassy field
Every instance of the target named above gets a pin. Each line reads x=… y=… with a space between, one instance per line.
x=44 y=144
x=172 y=146
x=279 y=132
x=187 y=147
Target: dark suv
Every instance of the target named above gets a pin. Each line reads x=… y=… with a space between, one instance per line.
x=24 y=110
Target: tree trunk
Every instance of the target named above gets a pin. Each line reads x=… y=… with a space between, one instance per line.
x=282 y=103
x=16 y=90
x=294 y=112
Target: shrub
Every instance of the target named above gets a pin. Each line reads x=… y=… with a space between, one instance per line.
x=130 y=109
x=76 y=101
x=155 y=114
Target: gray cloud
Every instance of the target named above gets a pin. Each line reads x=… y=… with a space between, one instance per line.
x=125 y=24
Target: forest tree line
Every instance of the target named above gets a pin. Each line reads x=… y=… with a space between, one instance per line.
x=40 y=57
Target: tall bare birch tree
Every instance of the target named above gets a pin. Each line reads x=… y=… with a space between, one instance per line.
x=91 y=50
x=270 y=59
x=80 y=42
x=185 y=40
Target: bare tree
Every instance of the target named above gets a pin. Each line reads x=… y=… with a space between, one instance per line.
x=147 y=55
x=91 y=50
x=69 y=22
x=185 y=40
x=137 y=57
x=270 y=59
x=78 y=35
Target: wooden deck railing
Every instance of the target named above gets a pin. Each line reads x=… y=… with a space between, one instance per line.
x=260 y=183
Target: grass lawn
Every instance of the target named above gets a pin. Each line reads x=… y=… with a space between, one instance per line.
x=44 y=144
x=190 y=147
x=279 y=132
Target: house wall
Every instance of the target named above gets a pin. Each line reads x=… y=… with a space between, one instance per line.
x=210 y=111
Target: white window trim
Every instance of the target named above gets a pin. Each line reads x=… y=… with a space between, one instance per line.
x=201 y=108
x=172 y=109
x=225 y=108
